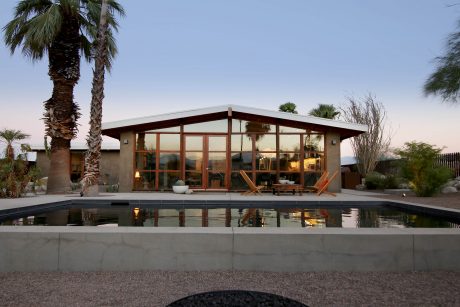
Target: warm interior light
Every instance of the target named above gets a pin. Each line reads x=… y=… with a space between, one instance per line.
x=137 y=174
x=136 y=212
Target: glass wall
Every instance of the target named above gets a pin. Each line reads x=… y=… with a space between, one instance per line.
x=197 y=154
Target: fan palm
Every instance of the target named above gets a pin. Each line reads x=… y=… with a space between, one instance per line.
x=9 y=137
x=325 y=111
x=64 y=30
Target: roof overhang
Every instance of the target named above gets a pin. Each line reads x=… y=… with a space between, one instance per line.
x=345 y=129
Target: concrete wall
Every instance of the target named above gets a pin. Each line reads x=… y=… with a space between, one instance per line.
x=126 y=162
x=35 y=248
x=333 y=159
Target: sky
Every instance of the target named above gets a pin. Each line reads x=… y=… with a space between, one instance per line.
x=179 y=54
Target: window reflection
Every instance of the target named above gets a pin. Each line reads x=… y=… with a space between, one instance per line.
x=217 y=143
x=290 y=162
x=145 y=161
x=267 y=143
x=146 y=141
x=212 y=126
x=313 y=142
x=169 y=142
x=167 y=179
x=241 y=142
x=290 y=142
x=242 y=160
x=194 y=161
x=169 y=161
x=194 y=143
x=284 y=129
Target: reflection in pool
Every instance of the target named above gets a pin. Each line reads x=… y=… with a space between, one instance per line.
x=344 y=216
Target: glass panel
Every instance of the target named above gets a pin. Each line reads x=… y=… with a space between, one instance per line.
x=168 y=129
x=265 y=179
x=166 y=180
x=244 y=126
x=290 y=142
x=169 y=142
x=290 y=129
x=266 y=161
x=237 y=182
x=217 y=143
x=216 y=180
x=314 y=162
x=169 y=161
x=194 y=143
x=291 y=176
x=216 y=162
x=310 y=178
x=290 y=162
x=194 y=161
x=193 y=179
x=145 y=182
x=145 y=161
x=242 y=160
x=266 y=142
x=314 y=142
x=241 y=142
x=146 y=141
x=213 y=126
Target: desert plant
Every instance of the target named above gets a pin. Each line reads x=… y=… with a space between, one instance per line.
x=179 y=182
x=419 y=167
x=375 y=180
x=367 y=147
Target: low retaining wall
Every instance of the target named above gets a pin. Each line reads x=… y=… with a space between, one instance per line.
x=35 y=248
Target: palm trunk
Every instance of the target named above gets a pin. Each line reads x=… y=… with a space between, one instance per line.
x=61 y=113
x=94 y=140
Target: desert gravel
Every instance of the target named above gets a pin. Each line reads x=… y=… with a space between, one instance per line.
x=158 y=288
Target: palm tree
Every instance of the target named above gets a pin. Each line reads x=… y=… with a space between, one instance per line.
x=64 y=30
x=9 y=137
x=288 y=107
x=93 y=155
x=325 y=111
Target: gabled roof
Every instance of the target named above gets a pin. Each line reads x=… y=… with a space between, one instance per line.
x=346 y=129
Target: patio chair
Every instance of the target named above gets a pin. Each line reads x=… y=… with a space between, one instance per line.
x=318 y=184
x=326 y=183
x=253 y=189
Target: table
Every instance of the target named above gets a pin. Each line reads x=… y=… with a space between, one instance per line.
x=277 y=187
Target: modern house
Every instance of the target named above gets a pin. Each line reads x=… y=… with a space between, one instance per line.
x=208 y=147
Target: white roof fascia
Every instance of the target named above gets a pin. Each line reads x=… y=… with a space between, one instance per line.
x=236 y=108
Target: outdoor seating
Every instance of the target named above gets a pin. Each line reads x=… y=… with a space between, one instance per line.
x=253 y=189
x=325 y=184
x=318 y=184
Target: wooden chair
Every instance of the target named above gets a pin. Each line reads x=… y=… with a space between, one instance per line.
x=318 y=184
x=325 y=184
x=253 y=188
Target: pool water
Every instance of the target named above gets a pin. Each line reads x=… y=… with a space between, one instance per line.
x=343 y=216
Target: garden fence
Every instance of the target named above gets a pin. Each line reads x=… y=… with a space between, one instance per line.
x=450 y=160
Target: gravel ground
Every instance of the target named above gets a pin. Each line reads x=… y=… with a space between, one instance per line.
x=159 y=288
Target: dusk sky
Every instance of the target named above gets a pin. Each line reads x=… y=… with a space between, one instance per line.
x=180 y=54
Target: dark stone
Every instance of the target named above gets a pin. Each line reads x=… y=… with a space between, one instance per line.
x=235 y=298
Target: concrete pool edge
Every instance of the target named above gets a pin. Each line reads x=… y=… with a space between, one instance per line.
x=58 y=248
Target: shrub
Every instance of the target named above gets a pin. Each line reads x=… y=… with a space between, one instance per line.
x=375 y=180
x=419 y=167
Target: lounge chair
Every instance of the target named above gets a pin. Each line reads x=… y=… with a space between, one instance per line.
x=325 y=184
x=318 y=184
x=253 y=189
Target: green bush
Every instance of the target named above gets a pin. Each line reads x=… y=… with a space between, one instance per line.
x=419 y=167
x=375 y=180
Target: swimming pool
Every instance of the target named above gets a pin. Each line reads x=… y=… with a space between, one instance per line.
x=270 y=215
